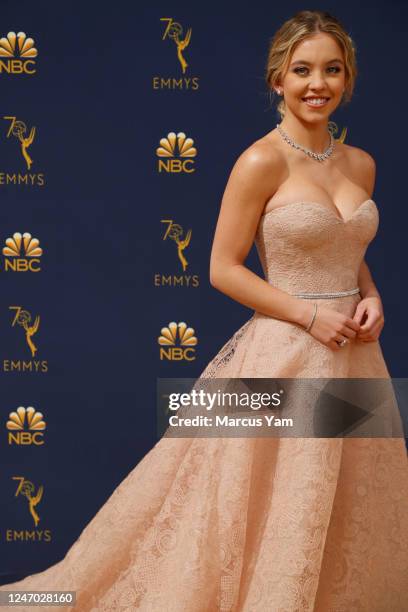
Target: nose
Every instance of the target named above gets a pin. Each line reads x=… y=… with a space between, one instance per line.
x=317 y=80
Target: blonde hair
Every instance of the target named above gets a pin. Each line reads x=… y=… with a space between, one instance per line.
x=301 y=26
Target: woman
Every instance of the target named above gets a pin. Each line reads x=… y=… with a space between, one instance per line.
x=256 y=524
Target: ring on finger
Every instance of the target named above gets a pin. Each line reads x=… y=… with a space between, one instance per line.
x=342 y=343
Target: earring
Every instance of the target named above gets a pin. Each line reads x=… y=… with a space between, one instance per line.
x=279 y=91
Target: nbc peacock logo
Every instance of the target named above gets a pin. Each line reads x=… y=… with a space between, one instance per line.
x=17 y=54
x=26 y=426
x=177 y=341
x=22 y=253
x=175 y=153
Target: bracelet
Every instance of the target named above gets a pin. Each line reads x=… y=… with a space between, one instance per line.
x=309 y=327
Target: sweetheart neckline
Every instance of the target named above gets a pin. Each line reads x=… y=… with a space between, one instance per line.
x=329 y=210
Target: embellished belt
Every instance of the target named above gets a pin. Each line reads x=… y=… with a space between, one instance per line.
x=335 y=294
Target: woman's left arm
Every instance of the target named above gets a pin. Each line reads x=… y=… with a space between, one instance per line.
x=369 y=311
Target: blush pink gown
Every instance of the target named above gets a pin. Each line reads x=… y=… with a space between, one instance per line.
x=260 y=524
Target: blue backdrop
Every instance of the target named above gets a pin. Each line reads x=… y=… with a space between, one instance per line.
x=100 y=110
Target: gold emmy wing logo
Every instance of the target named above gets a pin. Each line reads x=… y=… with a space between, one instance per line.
x=18 y=52
x=333 y=129
x=25 y=426
x=23 y=319
x=24 y=251
x=19 y=130
x=184 y=335
x=182 y=80
x=175 y=232
x=27 y=489
x=174 y=31
x=175 y=146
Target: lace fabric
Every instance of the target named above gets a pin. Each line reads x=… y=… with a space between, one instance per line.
x=226 y=353
x=256 y=524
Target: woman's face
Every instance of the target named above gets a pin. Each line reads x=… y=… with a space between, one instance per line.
x=316 y=70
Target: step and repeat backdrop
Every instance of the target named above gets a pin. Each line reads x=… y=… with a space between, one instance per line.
x=119 y=127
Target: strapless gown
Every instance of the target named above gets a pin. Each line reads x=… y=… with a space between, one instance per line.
x=261 y=524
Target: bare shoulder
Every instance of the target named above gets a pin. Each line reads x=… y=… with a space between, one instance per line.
x=261 y=163
x=362 y=165
x=358 y=156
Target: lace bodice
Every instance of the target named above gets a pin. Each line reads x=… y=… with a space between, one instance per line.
x=306 y=247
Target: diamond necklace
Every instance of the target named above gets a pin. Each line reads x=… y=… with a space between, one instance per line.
x=317 y=156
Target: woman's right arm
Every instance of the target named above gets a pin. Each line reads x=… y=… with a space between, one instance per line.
x=255 y=177
x=252 y=182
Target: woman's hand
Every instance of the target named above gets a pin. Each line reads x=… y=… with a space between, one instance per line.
x=370 y=315
x=330 y=327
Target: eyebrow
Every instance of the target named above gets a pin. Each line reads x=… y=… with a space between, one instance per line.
x=309 y=64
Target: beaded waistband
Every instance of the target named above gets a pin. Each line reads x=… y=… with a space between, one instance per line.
x=335 y=294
